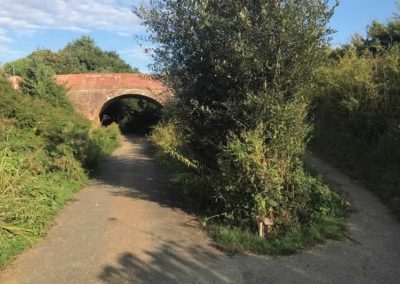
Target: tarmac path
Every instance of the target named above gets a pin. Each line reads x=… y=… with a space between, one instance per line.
x=125 y=227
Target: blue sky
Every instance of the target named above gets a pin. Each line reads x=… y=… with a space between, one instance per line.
x=26 y=25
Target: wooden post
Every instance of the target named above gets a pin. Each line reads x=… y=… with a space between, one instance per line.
x=265 y=221
x=261 y=229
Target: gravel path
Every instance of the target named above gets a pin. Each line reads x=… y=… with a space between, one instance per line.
x=126 y=228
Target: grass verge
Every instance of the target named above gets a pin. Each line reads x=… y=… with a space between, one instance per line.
x=374 y=167
x=46 y=155
x=233 y=239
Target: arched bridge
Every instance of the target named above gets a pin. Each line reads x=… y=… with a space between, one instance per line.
x=90 y=93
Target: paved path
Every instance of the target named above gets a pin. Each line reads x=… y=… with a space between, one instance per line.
x=126 y=228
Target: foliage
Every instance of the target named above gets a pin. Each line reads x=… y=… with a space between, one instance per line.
x=239 y=71
x=102 y=142
x=383 y=35
x=39 y=81
x=92 y=59
x=43 y=148
x=232 y=239
x=80 y=56
x=357 y=118
x=380 y=37
x=18 y=67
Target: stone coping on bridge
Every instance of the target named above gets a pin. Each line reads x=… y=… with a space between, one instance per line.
x=102 y=80
x=87 y=81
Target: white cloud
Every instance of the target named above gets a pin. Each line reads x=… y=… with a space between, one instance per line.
x=138 y=53
x=124 y=34
x=26 y=16
x=4 y=38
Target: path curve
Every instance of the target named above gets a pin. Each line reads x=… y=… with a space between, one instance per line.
x=125 y=228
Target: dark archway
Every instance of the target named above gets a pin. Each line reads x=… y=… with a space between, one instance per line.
x=134 y=113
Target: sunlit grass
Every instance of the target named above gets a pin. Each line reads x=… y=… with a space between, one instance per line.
x=232 y=239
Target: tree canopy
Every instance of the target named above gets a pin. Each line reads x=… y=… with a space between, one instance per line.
x=380 y=37
x=79 y=56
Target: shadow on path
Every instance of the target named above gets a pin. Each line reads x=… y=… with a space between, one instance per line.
x=148 y=181
x=165 y=264
x=174 y=261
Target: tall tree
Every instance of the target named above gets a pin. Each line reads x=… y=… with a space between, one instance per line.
x=79 y=56
x=384 y=35
x=92 y=59
x=239 y=69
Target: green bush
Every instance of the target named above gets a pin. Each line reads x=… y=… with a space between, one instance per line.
x=45 y=154
x=39 y=81
x=237 y=130
x=357 y=118
x=102 y=142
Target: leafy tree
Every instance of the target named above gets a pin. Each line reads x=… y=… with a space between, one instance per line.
x=79 y=56
x=383 y=35
x=92 y=59
x=380 y=38
x=18 y=67
x=61 y=63
x=239 y=70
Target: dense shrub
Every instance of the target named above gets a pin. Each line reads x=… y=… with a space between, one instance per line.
x=43 y=149
x=237 y=129
x=39 y=81
x=101 y=143
x=357 y=117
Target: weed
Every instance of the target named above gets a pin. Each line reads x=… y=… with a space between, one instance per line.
x=46 y=152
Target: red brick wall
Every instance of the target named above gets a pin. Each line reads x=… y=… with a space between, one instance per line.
x=91 y=91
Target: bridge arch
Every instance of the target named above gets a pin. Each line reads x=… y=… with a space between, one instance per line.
x=113 y=110
x=130 y=95
x=89 y=93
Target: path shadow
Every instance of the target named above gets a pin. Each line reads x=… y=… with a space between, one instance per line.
x=135 y=174
x=167 y=265
x=175 y=263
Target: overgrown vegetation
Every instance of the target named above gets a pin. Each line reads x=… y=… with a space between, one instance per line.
x=79 y=56
x=134 y=115
x=232 y=239
x=39 y=82
x=237 y=130
x=46 y=152
x=357 y=110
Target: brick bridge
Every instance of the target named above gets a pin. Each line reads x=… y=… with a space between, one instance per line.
x=91 y=93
